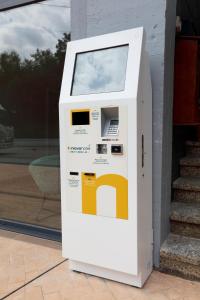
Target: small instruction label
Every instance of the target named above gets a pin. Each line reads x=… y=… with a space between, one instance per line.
x=95 y=115
x=101 y=161
x=73 y=182
x=90 y=182
x=80 y=131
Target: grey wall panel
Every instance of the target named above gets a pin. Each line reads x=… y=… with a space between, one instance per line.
x=79 y=19
x=158 y=18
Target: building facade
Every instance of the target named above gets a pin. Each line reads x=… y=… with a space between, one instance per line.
x=95 y=17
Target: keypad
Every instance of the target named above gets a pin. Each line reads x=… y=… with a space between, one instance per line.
x=112 y=130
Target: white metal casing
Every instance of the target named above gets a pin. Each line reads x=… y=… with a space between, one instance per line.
x=113 y=248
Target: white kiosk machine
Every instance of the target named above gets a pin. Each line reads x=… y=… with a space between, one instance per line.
x=106 y=157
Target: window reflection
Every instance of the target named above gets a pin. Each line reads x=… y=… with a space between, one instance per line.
x=33 y=42
x=100 y=71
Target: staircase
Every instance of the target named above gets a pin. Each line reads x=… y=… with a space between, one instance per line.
x=180 y=253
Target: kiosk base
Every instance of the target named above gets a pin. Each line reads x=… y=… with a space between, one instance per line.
x=136 y=281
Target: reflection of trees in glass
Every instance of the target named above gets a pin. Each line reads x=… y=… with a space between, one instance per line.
x=29 y=90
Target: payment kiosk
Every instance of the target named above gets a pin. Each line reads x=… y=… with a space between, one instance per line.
x=106 y=157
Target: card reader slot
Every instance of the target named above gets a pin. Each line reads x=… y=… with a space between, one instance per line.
x=74 y=173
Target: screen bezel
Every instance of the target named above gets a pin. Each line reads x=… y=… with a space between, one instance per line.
x=97 y=50
x=133 y=37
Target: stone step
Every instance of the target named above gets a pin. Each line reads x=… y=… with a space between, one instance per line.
x=187 y=189
x=180 y=255
x=190 y=166
x=187 y=183
x=185 y=219
x=193 y=148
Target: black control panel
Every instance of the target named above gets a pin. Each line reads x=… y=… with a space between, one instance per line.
x=117 y=149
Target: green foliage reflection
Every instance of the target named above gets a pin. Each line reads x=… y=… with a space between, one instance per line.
x=29 y=90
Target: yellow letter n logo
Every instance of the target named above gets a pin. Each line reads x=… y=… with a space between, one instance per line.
x=90 y=184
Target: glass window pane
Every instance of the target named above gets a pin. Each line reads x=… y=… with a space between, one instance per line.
x=33 y=42
x=100 y=71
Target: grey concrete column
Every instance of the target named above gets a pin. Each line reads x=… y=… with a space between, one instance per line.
x=95 y=17
x=8 y=4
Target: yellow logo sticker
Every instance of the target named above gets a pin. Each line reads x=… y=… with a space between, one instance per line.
x=90 y=184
